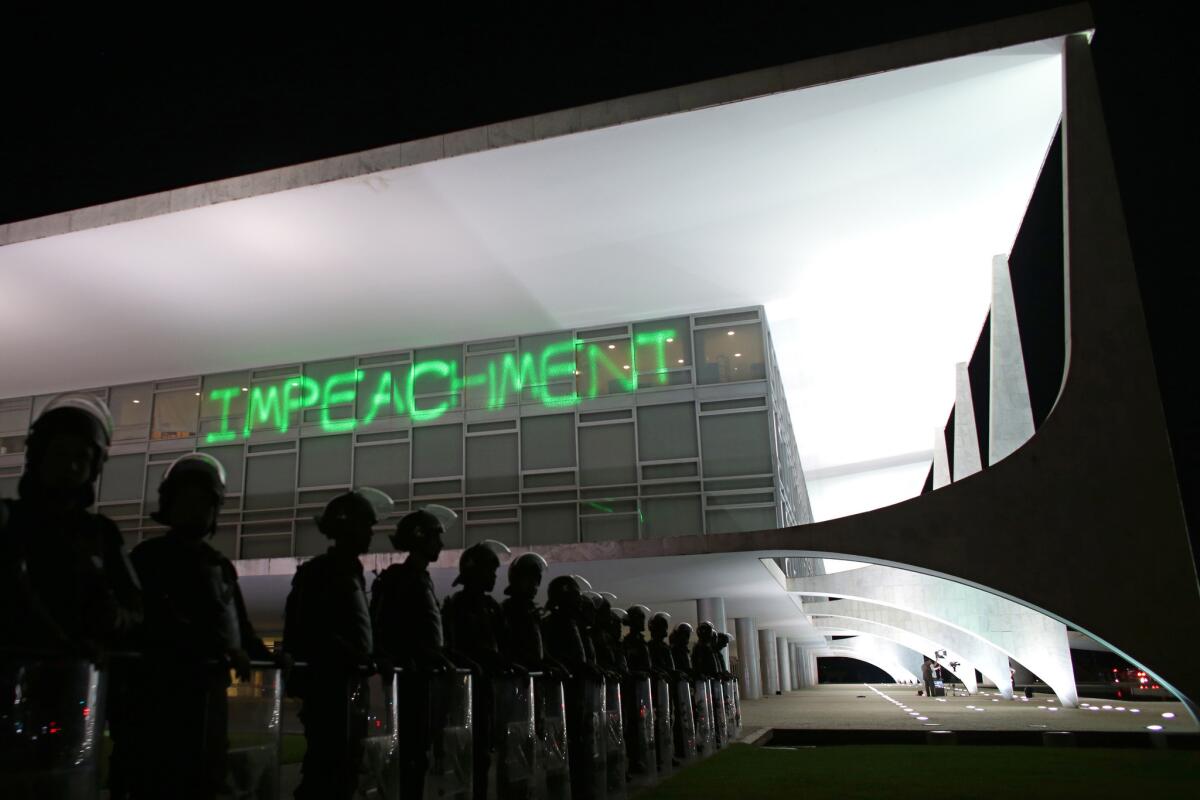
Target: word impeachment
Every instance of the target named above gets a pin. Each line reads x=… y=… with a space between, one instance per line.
x=547 y=375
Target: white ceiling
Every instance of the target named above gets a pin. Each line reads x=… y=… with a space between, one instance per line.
x=862 y=214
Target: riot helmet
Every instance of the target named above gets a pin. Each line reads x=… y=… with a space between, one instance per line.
x=193 y=470
x=660 y=622
x=637 y=618
x=563 y=593
x=86 y=420
x=705 y=630
x=421 y=531
x=526 y=570
x=353 y=511
x=682 y=634
x=478 y=564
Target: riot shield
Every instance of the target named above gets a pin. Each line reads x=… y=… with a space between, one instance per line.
x=703 y=709
x=720 y=729
x=664 y=728
x=684 y=719
x=381 y=747
x=731 y=717
x=450 y=762
x=513 y=769
x=51 y=720
x=553 y=781
x=255 y=735
x=614 y=741
x=639 y=727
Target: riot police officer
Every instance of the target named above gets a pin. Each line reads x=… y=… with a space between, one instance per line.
x=65 y=581
x=327 y=627
x=66 y=586
x=407 y=622
x=704 y=654
x=522 y=619
x=564 y=642
x=196 y=627
x=473 y=621
x=680 y=654
x=660 y=651
x=720 y=643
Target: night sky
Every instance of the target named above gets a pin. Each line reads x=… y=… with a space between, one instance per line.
x=99 y=106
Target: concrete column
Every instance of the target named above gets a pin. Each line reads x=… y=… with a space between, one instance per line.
x=941 y=459
x=794 y=655
x=785 y=664
x=713 y=610
x=966 y=437
x=746 y=640
x=768 y=657
x=1010 y=415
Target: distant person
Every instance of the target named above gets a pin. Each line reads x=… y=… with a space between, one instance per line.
x=473 y=622
x=407 y=623
x=196 y=628
x=927 y=676
x=327 y=627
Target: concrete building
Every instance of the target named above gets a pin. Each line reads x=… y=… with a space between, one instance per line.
x=929 y=225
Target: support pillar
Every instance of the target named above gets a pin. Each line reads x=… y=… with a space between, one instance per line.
x=785 y=664
x=712 y=609
x=1010 y=414
x=967 y=460
x=794 y=655
x=768 y=657
x=748 y=673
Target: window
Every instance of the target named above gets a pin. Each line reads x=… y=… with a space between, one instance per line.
x=327 y=392
x=270 y=481
x=175 y=414
x=383 y=466
x=548 y=525
x=14 y=416
x=735 y=444
x=437 y=451
x=730 y=353
x=548 y=442
x=508 y=532
x=739 y=520
x=605 y=367
x=667 y=432
x=491 y=464
x=671 y=516
x=130 y=408
x=545 y=370
x=606 y=455
x=663 y=352
x=382 y=393
x=122 y=478
x=603 y=527
x=325 y=460
x=232 y=457
x=12 y=444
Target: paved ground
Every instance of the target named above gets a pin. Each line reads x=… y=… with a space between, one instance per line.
x=894 y=707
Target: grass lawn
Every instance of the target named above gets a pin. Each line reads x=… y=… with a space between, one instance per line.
x=934 y=773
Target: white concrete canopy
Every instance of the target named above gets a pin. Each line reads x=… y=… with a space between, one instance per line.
x=1032 y=638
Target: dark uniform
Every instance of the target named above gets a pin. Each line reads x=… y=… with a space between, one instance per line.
x=660 y=656
x=327 y=625
x=195 y=616
x=565 y=644
x=705 y=660
x=408 y=633
x=473 y=622
x=522 y=633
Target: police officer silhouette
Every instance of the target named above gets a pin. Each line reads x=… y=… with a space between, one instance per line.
x=407 y=623
x=196 y=627
x=704 y=654
x=522 y=618
x=679 y=640
x=473 y=622
x=327 y=628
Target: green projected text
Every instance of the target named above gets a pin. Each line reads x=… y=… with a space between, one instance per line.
x=560 y=375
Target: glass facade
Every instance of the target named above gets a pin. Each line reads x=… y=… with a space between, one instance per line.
x=642 y=430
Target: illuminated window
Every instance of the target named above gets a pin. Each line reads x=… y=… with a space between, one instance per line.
x=434 y=382
x=130 y=407
x=175 y=414
x=12 y=444
x=325 y=396
x=663 y=350
x=730 y=353
x=545 y=371
x=605 y=367
x=382 y=393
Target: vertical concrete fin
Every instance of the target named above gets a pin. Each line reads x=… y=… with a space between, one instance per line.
x=966 y=438
x=1010 y=417
x=941 y=460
